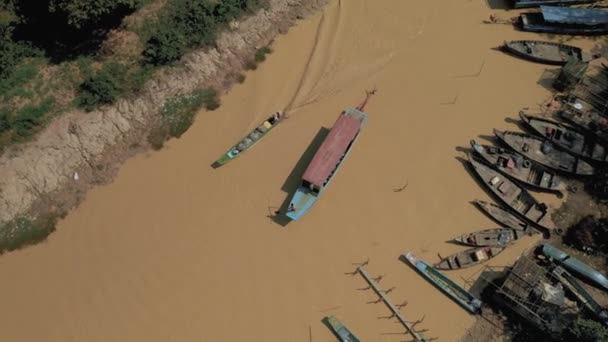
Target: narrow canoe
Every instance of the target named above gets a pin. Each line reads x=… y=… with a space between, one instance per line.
x=568 y=138
x=445 y=284
x=519 y=168
x=546 y=52
x=496 y=237
x=581 y=295
x=564 y=20
x=514 y=196
x=468 y=258
x=340 y=330
x=562 y=258
x=543 y=152
x=502 y=216
x=250 y=139
x=538 y=3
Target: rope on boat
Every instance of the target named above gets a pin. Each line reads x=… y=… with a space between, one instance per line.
x=368 y=95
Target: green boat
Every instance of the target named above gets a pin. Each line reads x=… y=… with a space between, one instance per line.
x=340 y=330
x=250 y=139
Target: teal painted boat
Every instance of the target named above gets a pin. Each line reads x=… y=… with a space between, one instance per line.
x=250 y=139
x=340 y=330
x=562 y=258
x=445 y=284
x=327 y=160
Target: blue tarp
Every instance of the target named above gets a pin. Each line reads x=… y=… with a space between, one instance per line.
x=577 y=16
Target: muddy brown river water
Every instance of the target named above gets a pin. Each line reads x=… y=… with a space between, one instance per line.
x=174 y=250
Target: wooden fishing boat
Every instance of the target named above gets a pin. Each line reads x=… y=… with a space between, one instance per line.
x=328 y=159
x=543 y=152
x=591 y=122
x=519 y=168
x=250 y=139
x=502 y=216
x=497 y=237
x=538 y=3
x=468 y=258
x=568 y=138
x=514 y=196
x=580 y=268
x=340 y=330
x=546 y=52
x=564 y=20
x=445 y=284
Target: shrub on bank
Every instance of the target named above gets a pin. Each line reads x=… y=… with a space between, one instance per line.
x=104 y=87
x=23 y=231
x=29 y=118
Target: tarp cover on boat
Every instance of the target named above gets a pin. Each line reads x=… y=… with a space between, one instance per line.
x=577 y=16
x=327 y=157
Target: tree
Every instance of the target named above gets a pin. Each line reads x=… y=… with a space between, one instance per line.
x=82 y=12
x=584 y=330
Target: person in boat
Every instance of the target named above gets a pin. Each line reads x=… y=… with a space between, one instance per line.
x=291 y=207
x=276 y=117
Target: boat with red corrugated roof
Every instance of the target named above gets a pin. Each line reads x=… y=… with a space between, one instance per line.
x=328 y=159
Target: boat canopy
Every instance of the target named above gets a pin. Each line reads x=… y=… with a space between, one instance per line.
x=574 y=16
x=332 y=149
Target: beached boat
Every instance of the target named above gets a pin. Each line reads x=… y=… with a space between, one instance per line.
x=514 y=196
x=543 y=152
x=565 y=20
x=326 y=161
x=340 y=330
x=445 y=284
x=502 y=216
x=468 y=258
x=519 y=167
x=538 y=3
x=250 y=139
x=568 y=138
x=591 y=122
x=581 y=295
x=546 y=52
x=578 y=267
x=496 y=237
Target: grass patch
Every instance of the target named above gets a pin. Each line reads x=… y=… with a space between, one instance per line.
x=178 y=113
x=260 y=54
x=23 y=231
x=29 y=118
x=16 y=82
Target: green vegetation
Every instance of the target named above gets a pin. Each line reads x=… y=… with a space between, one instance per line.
x=260 y=54
x=24 y=231
x=178 y=114
x=584 y=330
x=104 y=87
x=29 y=118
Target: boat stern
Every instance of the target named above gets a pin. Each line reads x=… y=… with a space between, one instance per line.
x=301 y=201
x=411 y=258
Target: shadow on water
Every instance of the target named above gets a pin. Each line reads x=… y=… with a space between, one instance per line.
x=293 y=180
x=499 y=4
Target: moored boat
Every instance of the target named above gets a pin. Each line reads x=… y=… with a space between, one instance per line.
x=445 y=284
x=538 y=3
x=328 y=159
x=543 y=152
x=502 y=216
x=581 y=295
x=565 y=20
x=578 y=267
x=519 y=168
x=591 y=122
x=340 y=330
x=546 y=52
x=514 y=196
x=568 y=138
x=250 y=139
x=496 y=237
x=468 y=258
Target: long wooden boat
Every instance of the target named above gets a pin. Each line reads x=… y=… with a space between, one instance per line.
x=580 y=268
x=568 y=138
x=326 y=161
x=591 y=122
x=546 y=52
x=543 y=152
x=538 y=3
x=502 y=216
x=581 y=295
x=340 y=330
x=445 y=284
x=565 y=20
x=468 y=258
x=519 y=168
x=497 y=237
x=514 y=196
x=250 y=139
